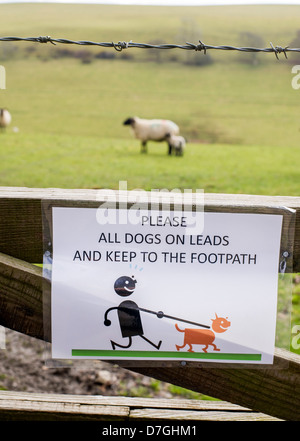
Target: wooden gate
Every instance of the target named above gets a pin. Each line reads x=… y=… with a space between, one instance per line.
x=273 y=391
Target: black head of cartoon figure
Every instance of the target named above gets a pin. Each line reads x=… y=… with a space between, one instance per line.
x=124 y=286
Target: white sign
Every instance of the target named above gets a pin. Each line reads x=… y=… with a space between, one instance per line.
x=150 y=290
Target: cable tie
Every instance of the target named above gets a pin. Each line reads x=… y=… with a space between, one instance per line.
x=282 y=266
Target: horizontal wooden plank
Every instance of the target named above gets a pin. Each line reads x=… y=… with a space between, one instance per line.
x=34 y=409
x=21 y=229
x=187 y=415
x=274 y=390
x=29 y=406
x=130 y=402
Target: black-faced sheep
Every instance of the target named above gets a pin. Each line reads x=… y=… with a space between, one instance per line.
x=5 y=118
x=151 y=130
x=176 y=143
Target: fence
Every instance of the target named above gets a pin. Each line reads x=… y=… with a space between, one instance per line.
x=200 y=46
x=270 y=392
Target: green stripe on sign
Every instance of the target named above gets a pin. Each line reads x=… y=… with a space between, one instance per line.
x=164 y=354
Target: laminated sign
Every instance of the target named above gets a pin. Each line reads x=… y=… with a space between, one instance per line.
x=161 y=285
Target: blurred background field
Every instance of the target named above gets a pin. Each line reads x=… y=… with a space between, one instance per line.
x=239 y=112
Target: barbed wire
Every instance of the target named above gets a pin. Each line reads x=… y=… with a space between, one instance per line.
x=126 y=45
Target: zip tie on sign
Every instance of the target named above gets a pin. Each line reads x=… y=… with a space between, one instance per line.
x=282 y=266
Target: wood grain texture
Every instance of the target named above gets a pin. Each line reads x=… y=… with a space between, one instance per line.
x=21 y=296
x=274 y=390
x=57 y=407
x=25 y=303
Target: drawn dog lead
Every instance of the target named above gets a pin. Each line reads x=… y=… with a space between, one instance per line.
x=130 y=317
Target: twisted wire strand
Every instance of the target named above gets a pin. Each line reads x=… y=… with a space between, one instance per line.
x=125 y=45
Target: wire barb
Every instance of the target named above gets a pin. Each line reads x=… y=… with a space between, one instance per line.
x=198 y=47
x=45 y=40
x=121 y=45
x=278 y=50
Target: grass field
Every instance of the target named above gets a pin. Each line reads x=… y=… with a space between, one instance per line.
x=241 y=119
x=63 y=161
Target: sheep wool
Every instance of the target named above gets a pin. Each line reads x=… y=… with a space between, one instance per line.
x=151 y=129
x=5 y=118
x=176 y=143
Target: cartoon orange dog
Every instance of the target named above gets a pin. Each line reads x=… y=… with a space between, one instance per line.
x=204 y=337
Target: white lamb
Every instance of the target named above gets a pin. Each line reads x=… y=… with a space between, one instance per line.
x=176 y=143
x=151 y=130
x=5 y=118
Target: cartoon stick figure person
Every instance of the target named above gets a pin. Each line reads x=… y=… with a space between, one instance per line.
x=128 y=313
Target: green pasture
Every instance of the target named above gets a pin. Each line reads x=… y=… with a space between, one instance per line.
x=239 y=112
x=240 y=118
x=54 y=160
x=241 y=124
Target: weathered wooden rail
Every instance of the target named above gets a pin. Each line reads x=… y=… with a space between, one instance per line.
x=272 y=391
x=58 y=407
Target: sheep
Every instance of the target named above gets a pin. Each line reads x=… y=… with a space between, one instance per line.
x=176 y=143
x=5 y=118
x=151 y=130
